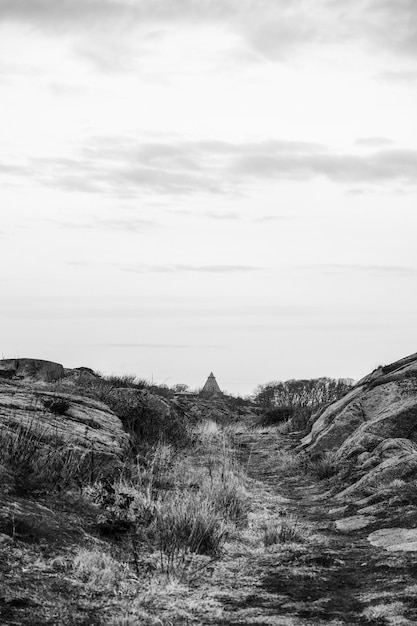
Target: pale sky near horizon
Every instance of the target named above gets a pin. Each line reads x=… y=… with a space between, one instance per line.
x=197 y=185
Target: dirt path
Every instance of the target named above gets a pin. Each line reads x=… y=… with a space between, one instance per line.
x=333 y=578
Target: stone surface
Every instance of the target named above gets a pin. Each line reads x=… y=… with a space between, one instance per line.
x=85 y=424
x=39 y=370
x=380 y=406
x=354 y=523
x=340 y=510
x=373 y=428
x=395 y=539
x=402 y=466
x=31 y=369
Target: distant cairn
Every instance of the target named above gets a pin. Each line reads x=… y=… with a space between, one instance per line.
x=211 y=388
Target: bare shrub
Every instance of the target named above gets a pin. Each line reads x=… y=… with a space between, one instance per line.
x=56 y=405
x=146 y=418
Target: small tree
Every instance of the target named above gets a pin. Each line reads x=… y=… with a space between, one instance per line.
x=180 y=388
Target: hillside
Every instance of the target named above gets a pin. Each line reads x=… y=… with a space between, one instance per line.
x=122 y=507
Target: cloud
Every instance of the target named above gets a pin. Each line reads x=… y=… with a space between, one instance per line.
x=192 y=314
x=271 y=28
x=79 y=263
x=226 y=215
x=378 y=167
x=114 y=167
x=397 y=271
x=373 y=142
x=270 y=218
x=407 y=77
x=130 y=225
x=392 y=24
x=165 y=346
x=177 y=267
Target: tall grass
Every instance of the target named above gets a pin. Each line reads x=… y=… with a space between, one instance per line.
x=179 y=504
x=39 y=460
x=186 y=524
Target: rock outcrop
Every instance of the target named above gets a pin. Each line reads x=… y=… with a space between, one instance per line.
x=371 y=435
x=76 y=421
x=39 y=370
x=373 y=427
x=31 y=369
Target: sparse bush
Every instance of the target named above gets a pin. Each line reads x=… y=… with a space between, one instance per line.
x=286 y=418
x=277 y=415
x=163 y=391
x=285 y=428
x=162 y=510
x=307 y=393
x=186 y=524
x=230 y=500
x=57 y=406
x=146 y=418
x=128 y=381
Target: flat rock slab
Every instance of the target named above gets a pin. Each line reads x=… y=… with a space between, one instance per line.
x=373 y=509
x=395 y=539
x=341 y=510
x=347 y=524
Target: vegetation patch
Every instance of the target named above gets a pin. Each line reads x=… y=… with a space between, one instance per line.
x=39 y=462
x=57 y=406
x=285 y=531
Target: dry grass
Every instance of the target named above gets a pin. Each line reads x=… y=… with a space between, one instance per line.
x=324 y=466
x=188 y=532
x=100 y=572
x=391 y=613
x=288 y=530
x=39 y=461
x=177 y=505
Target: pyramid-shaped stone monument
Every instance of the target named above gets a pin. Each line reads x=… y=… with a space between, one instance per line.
x=211 y=388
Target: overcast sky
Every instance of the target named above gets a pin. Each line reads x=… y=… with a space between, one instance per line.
x=197 y=185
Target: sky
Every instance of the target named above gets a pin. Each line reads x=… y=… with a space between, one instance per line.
x=190 y=186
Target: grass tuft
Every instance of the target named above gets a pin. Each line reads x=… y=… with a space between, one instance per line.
x=324 y=466
x=99 y=571
x=286 y=531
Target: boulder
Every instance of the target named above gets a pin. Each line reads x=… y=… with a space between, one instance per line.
x=31 y=369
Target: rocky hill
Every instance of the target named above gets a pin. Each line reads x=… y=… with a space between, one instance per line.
x=374 y=427
x=368 y=439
